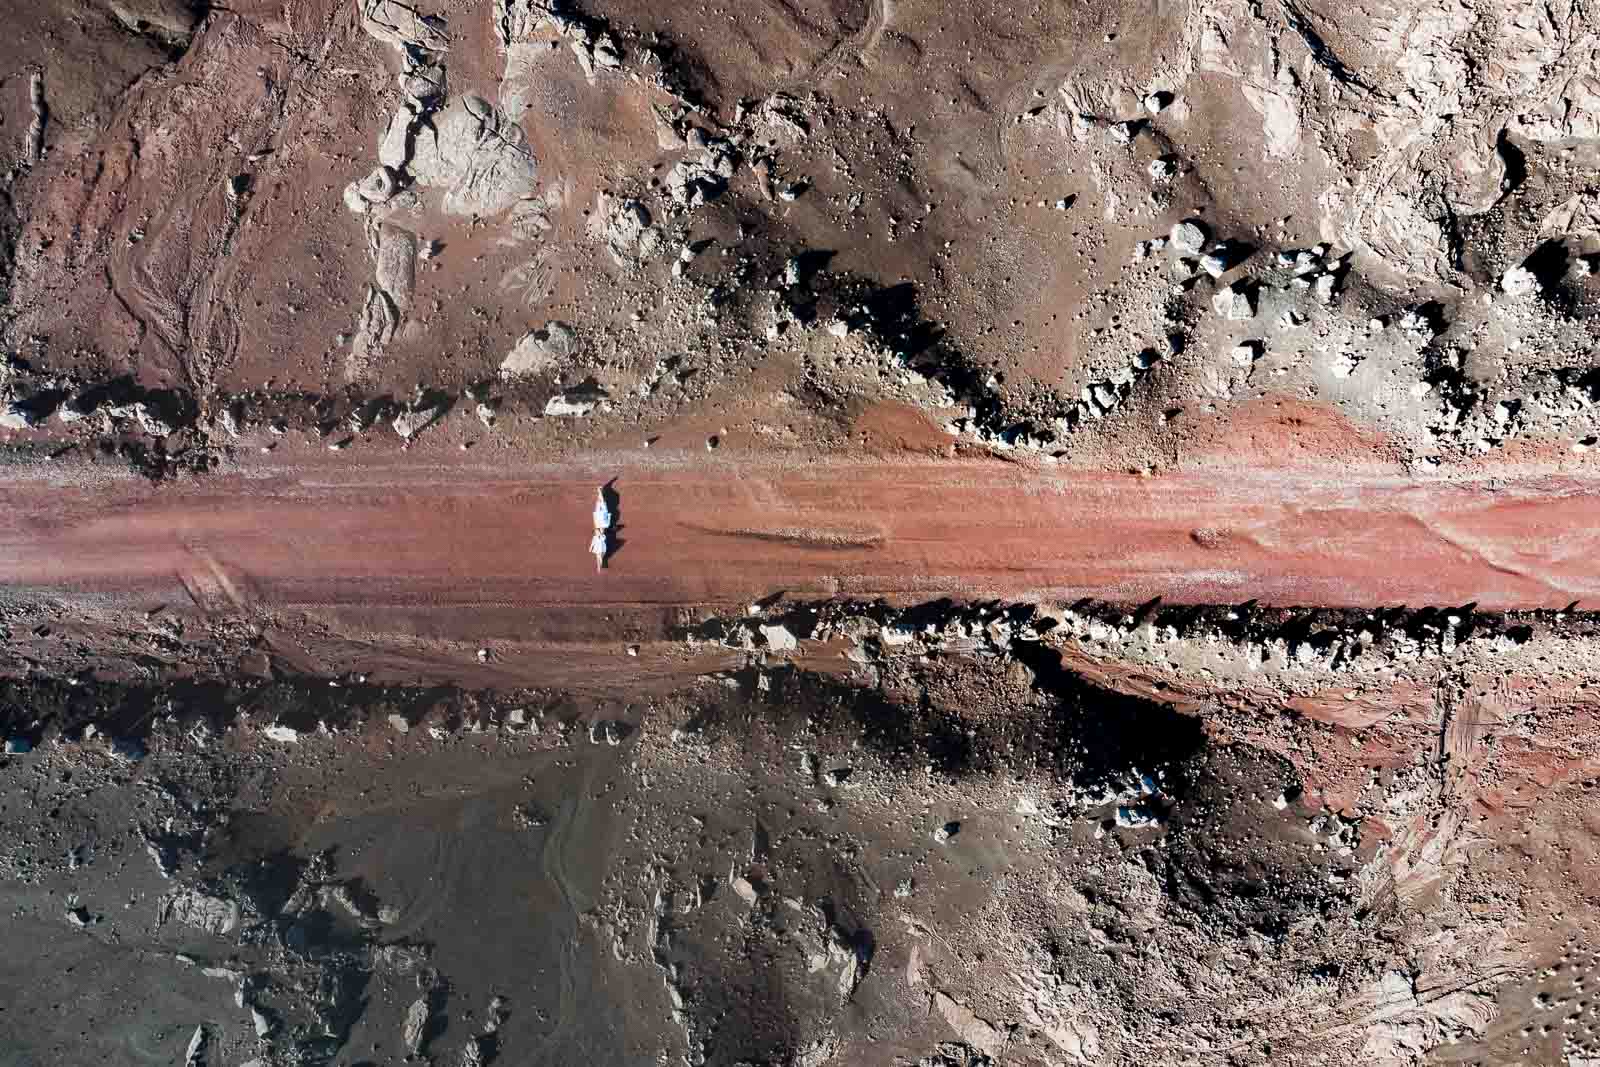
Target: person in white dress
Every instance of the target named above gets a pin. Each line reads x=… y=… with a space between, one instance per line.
x=599 y=544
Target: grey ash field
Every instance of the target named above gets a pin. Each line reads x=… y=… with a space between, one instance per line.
x=1102 y=549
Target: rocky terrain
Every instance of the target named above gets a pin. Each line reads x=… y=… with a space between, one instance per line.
x=1095 y=558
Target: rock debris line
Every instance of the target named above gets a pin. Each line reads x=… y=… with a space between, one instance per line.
x=794 y=822
x=1284 y=320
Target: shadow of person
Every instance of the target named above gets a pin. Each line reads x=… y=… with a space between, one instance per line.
x=613 y=499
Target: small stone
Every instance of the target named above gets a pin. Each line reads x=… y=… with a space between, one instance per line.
x=188 y=906
x=625 y=227
x=1135 y=817
x=399 y=725
x=1342 y=365
x=354 y=201
x=415 y=1027
x=1156 y=103
x=540 y=350
x=1519 y=282
x=1233 y=303
x=15 y=416
x=195 y=1054
x=79 y=407
x=946 y=832
x=414 y=420
x=779 y=638
x=571 y=405
x=1189 y=236
x=125 y=749
x=378 y=187
x=1416 y=324
x=1162 y=168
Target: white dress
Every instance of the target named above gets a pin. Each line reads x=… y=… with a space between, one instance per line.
x=602 y=514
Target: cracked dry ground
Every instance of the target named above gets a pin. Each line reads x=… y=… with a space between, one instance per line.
x=1101 y=529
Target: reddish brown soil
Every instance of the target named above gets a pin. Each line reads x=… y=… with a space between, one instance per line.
x=710 y=532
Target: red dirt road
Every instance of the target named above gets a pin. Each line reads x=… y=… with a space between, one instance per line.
x=394 y=533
